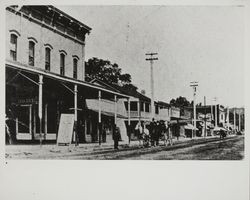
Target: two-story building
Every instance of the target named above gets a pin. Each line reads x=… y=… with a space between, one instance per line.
x=45 y=54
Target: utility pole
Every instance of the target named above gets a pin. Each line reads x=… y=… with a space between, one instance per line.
x=239 y=121
x=212 y=116
x=234 y=119
x=205 y=133
x=194 y=84
x=215 y=100
x=151 y=59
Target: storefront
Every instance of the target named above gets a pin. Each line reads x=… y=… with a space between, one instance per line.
x=35 y=100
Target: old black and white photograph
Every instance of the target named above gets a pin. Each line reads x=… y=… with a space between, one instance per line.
x=125 y=100
x=124 y=82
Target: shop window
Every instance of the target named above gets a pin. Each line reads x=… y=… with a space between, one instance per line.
x=13 y=47
x=47 y=58
x=75 y=62
x=62 y=64
x=31 y=53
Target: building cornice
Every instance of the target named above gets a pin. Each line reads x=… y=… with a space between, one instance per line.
x=43 y=24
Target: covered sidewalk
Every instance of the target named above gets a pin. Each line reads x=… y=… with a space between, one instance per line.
x=36 y=98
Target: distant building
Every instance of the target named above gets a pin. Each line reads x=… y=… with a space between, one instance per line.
x=237 y=118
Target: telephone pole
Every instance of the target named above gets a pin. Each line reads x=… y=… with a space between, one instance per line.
x=194 y=84
x=205 y=131
x=216 y=114
x=151 y=59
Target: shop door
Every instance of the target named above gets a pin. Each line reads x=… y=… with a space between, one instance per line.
x=24 y=122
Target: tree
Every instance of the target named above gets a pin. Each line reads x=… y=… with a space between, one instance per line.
x=172 y=102
x=180 y=102
x=107 y=72
x=129 y=87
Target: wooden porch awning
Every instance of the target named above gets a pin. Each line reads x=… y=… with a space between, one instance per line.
x=190 y=127
x=33 y=70
x=107 y=107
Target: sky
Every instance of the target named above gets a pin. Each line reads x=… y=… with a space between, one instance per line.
x=194 y=43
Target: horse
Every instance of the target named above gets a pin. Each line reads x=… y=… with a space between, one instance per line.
x=139 y=129
x=222 y=134
x=146 y=137
x=167 y=134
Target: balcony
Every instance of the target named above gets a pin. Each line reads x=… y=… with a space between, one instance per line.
x=142 y=115
x=147 y=115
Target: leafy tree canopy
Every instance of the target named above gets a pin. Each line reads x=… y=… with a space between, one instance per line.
x=107 y=72
x=183 y=102
x=180 y=102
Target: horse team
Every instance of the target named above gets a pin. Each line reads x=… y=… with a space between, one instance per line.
x=149 y=134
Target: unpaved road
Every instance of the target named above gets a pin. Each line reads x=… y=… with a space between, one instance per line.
x=231 y=148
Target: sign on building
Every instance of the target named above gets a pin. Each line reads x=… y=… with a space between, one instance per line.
x=164 y=114
x=175 y=112
x=66 y=128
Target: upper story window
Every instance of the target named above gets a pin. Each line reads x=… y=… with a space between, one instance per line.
x=141 y=106
x=133 y=106
x=156 y=109
x=147 y=105
x=31 y=53
x=62 y=64
x=13 y=47
x=75 y=63
x=47 y=58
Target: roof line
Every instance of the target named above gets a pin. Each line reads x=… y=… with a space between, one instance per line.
x=70 y=17
x=98 y=80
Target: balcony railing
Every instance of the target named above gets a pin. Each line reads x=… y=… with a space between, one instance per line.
x=147 y=115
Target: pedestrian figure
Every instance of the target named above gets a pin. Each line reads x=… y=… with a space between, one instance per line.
x=161 y=129
x=222 y=134
x=7 y=133
x=116 y=137
x=146 y=136
x=104 y=134
x=169 y=134
x=153 y=132
x=164 y=132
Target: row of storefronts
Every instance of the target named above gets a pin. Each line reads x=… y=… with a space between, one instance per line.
x=26 y=94
x=45 y=77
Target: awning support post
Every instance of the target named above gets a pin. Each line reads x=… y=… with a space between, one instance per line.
x=40 y=106
x=115 y=110
x=129 y=128
x=75 y=114
x=99 y=117
x=138 y=109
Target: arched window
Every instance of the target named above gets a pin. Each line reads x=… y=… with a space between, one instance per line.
x=47 y=58
x=75 y=62
x=31 y=53
x=13 y=47
x=62 y=64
